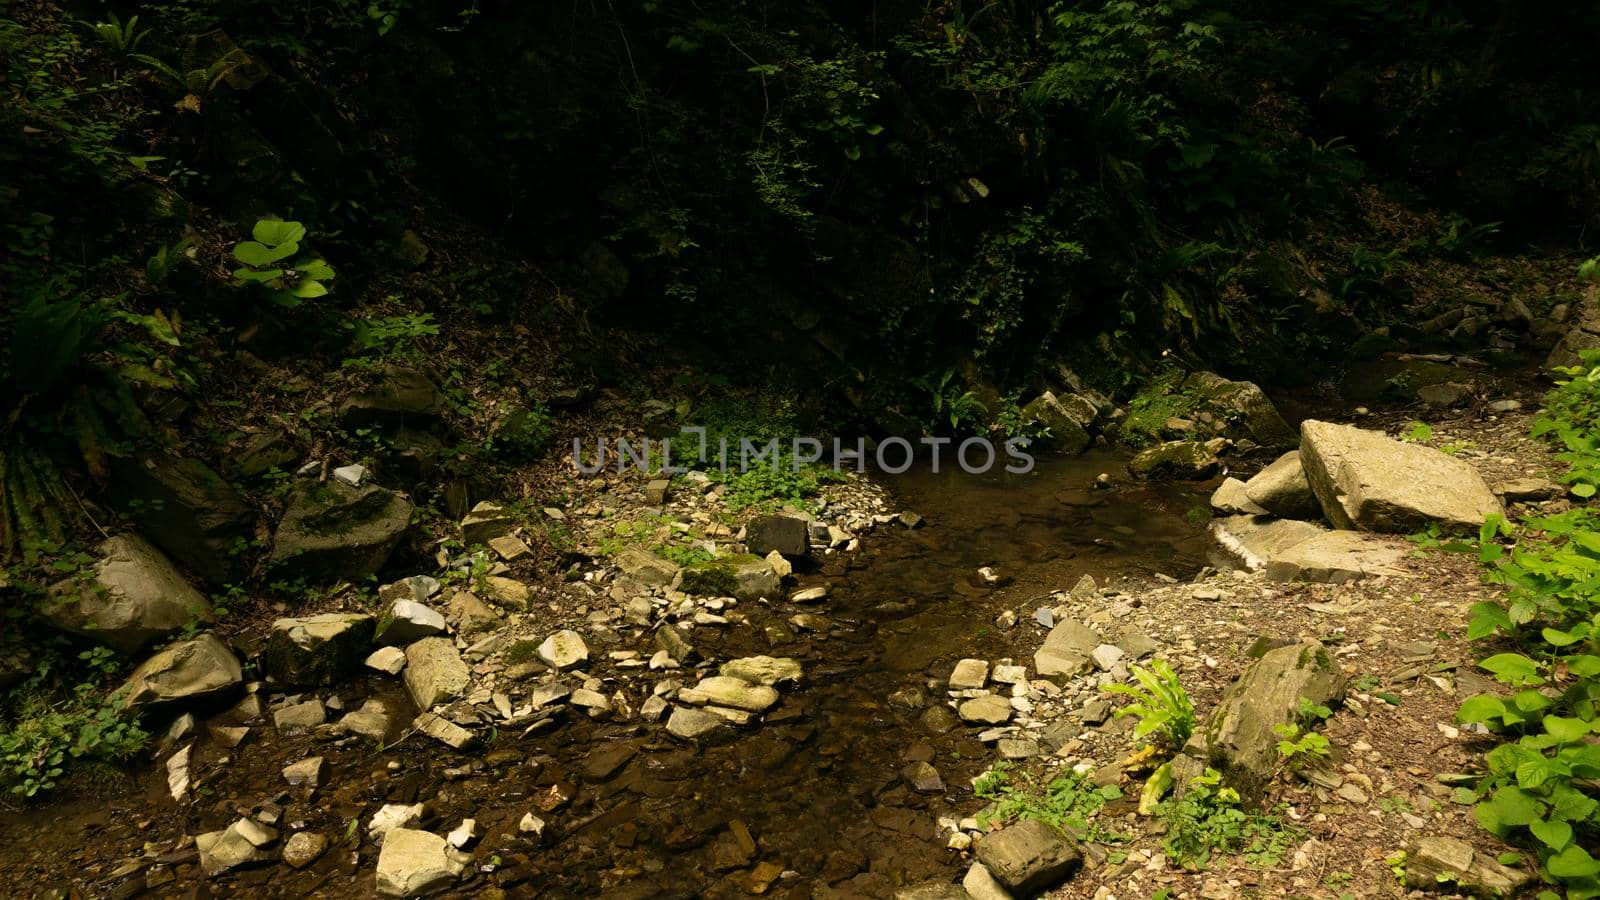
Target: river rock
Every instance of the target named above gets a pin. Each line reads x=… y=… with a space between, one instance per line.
x=485 y=522
x=1175 y=461
x=1231 y=498
x=986 y=710
x=979 y=884
x=334 y=531
x=673 y=642
x=1067 y=651
x=787 y=535
x=1528 y=490
x=471 y=615
x=388 y=660
x=188 y=670
x=413 y=863
x=1240 y=737
x=969 y=674
x=443 y=730
x=187 y=510
x=923 y=778
x=306 y=773
x=135 y=597
x=692 y=724
x=241 y=844
x=1282 y=489
x=1029 y=857
x=407 y=621
x=398 y=397
x=763 y=670
x=564 y=650
x=1069 y=417
x=303 y=848
x=1336 y=557
x=317 y=650
x=736 y=693
x=373 y=720
x=435 y=673
x=1369 y=482
x=1242 y=408
x=300 y=716
x=1254 y=541
x=744 y=576
x=1452 y=865
x=645 y=567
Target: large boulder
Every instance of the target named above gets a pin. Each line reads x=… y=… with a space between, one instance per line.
x=201 y=669
x=317 y=650
x=789 y=536
x=1291 y=550
x=1028 y=858
x=336 y=531
x=186 y=509
x=1240 y=737
x=1241 y=409
x=1368 y=482
x=645 y=567
x=1070 y=419
x=134 y=598
x=398 y=397
x=1254 y=541
x=1282 y=489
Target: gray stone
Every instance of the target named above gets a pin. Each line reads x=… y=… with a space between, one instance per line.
x=1368 y=482
x=1444 y=394
x=655 y=491
x=1231 y=498
x=136 y=596
x=1240 y=735
x=300 y=716
x=1243 y=409
x=389 y=660
x=923 y=777
x=1525 y=490
x=671 y=639
x=307 y=773
x=350 y=475
x=485 y=522
x=407 y=621
x=435 y=673
x=813 y=594
x=1069 y=419
x=317 y=650
x=303 y=848
x=763 y=670
x=413 y=863
x=978 y=884
x=373 y=720
x=645 y=567
x=986 y=710
x=969 y=674
x=1106 y=657
x=1029 y=857
x=564 y=650
x=744 y=576
x=188 y=670
x=788 y=535
x=928 y=890
x=1336 y=557
x=1282 y=489
x=1451 y=865
x=1254 y=541
x=692 y=724
x=472 y=615
x=1066 y=652
x=187 y=510
x=334 y=531
x=240 y=844
x=443 y=730
x=397 y=397
x=1017 y=748
x=735 y=693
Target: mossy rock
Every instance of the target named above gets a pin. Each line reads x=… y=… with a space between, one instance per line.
x=742 y=575
x=337 y=531
x=317 y=650
x=1175 y=461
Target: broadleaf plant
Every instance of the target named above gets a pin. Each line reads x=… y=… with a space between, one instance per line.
x=287 y=284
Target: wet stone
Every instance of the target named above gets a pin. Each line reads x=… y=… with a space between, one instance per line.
x=1029 y=857
x=923 y=777
x=564 y=650
x=302 y=849
x=969 y=674
x=986 y=710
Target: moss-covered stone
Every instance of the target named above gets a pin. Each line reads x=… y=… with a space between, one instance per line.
x=741 y=575
x=317 y=650
x=1175 y=460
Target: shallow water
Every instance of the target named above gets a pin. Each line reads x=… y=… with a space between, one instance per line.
x=815 y=787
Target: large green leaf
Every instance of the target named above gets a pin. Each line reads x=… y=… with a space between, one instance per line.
x=1554 y=834
x=1566 y=730
x=1482 y=708
x=1509 y=808
x=274 y=232
x=1573 y=862
x=252 y=253
x=1513 y=668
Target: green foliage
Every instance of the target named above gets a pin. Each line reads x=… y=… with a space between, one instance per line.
x=287 y=284
x=120 y=37
x=1300 y=746
x=962 y=409
x=1161 y=705
x=1161 y=398
x=1540 y=788
x=47 y=729
x=1068 y=803
x=378 y=339
x=1208 y=820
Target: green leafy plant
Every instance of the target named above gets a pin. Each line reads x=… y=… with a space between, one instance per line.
x=265 y=259
x=1068 y=803
x=1161 y=705
x=950 y=404
x=118 y=36
x=1208 y=819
